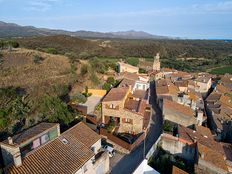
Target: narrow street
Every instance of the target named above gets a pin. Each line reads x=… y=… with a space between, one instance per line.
x=129 y=162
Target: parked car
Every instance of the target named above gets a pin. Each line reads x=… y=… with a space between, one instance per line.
x=126 y=137
x=110 y=150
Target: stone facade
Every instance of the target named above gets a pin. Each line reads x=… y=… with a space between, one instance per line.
x=156 y=64
x=129 y=121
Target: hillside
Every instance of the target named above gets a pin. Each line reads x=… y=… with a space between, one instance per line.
x=8 y=30
x=132 y=48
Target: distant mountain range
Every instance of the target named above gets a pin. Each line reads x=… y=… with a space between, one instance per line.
x=13 y=30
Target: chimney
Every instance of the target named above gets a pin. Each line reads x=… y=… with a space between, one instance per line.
x=10 y=140
x=202 y=155
x=17 y=159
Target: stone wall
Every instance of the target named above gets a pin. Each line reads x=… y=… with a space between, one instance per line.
x=177 y=147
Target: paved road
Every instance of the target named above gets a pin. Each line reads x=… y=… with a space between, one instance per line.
x=129 y=162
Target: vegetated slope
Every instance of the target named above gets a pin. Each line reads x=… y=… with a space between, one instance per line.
x=132 y=48
x=61 y=43
x=37 y=79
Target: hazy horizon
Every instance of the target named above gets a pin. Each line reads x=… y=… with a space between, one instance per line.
x=208 y=19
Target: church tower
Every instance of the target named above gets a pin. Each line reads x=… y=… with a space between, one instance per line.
x=156 y=64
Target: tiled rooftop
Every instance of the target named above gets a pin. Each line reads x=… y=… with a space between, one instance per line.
x=58 y=156
x=31 y=132
x=116 y=94
x=176 y=170
x=176 y=107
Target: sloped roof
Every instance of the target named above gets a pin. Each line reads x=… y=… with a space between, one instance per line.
x=31 y=133
x=116 y=94
x=176 y=170
x=59 y=157
x=127 y=82
x=176 y=107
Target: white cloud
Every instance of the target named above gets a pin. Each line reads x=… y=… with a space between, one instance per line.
x=40 y=5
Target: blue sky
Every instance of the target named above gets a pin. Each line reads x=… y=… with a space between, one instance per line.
x=205 y=19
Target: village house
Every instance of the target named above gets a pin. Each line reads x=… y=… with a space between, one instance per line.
x=130 y=114
x=219 y=113
x=124 y=67
x=204 y=83
x=226 y=81
x=42 y=149
x=179 y=75
x=197 y=146
x=90 y=110
x=165 y=89
x=181 y=114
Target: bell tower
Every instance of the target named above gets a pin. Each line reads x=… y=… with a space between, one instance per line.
x=156 y=63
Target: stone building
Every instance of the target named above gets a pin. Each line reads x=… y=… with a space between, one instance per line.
x=156 y=63
x=129 y=113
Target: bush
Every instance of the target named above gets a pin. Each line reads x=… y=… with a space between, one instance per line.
x=79 y=98
x=111 y=80
x=142 y=70
x=98 y=66
x=1 y=58
x=106 y=86
x=167 y=126
x=94 y=79
x=132 y=61
x=84 y=69
x=51 y=50
x=37 y=59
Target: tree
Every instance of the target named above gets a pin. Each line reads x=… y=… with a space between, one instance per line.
x=110 y=80
x=55 y=110
x=106 y=86
x=79 y=98
x=3 y=119
x=19 y=109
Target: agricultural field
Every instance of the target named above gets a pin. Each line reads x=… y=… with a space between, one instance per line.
x=222 y=70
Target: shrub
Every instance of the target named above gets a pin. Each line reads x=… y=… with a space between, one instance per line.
x=79 y=98
x=1 y=58
x=132 y=61
x=37 y=59
x=51 y=50
x=98 y=66
x=111 y=80
x=94 y=79
x=84 y=69
x=106 y=86
x=167 y=126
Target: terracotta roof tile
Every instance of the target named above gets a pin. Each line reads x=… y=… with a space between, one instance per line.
x=140 y=94
x=176 y=170
x=127 y=82
x=212 y=156
x=174 y=106
x=57 y=156
x=116 y=94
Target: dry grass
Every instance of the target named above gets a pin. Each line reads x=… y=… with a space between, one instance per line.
x=19 y=70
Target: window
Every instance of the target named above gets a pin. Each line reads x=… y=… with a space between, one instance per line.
x=44 y=138
x=36 y=143
x=128 y=120
x=144 y=87
x=111 y=106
